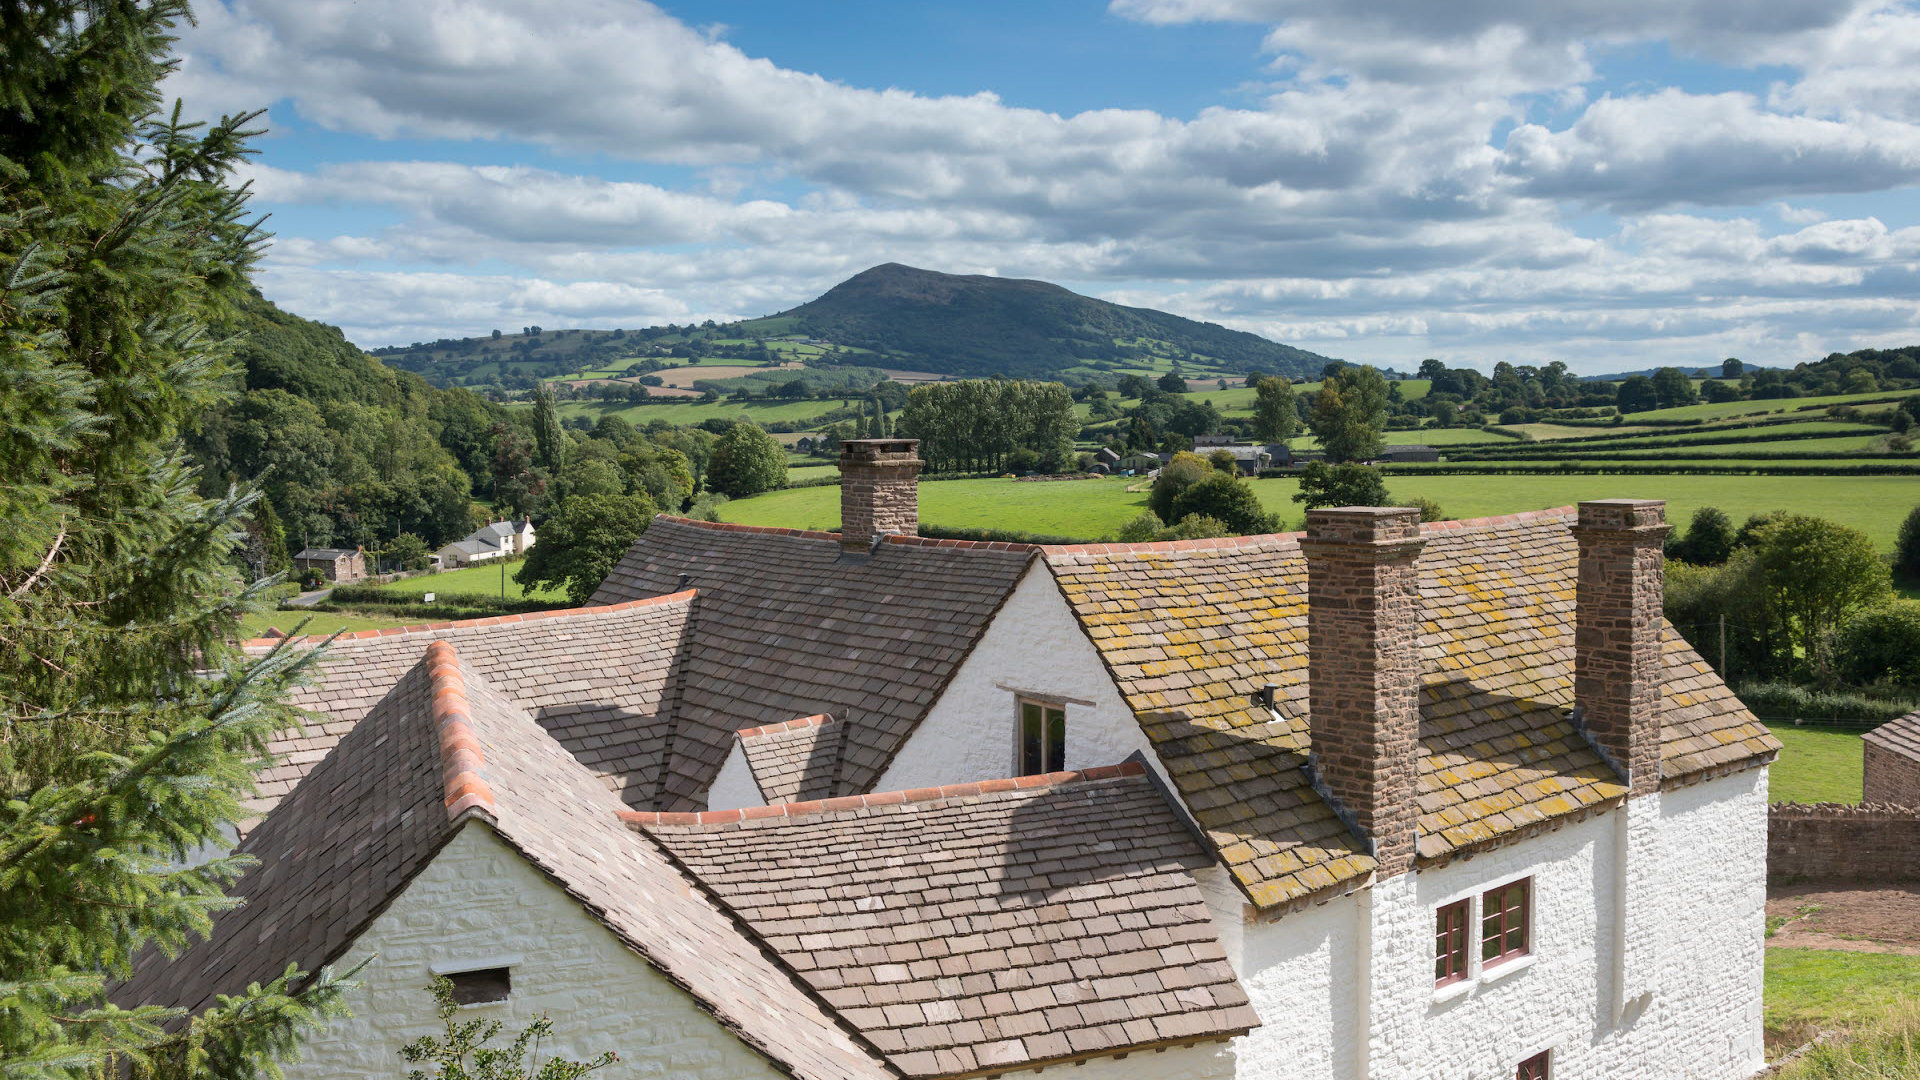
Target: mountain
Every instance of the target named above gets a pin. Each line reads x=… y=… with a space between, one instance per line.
x=979 y=326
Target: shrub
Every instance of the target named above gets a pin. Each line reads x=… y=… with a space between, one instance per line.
x=1223 y=461
x=1906 y=552
x=1350 y=484
x=1227 y=499
x=1778 y=701
x=1429 y=510
x=1185 y=470
x=1147 y=528
x=1709 y=538
x=1879 y=645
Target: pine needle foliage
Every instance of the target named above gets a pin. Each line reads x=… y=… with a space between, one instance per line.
x=462 y=1052
x=130 y=728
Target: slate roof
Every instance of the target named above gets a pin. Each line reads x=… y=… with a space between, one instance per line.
x=794 y=761
x=602 y=681
x=444 y=747
x=789 y=626
x=324 y=554
x=1190 y=630
x=1901 y=735
x=981 y=926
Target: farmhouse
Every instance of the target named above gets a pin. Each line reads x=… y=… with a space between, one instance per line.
x=494 y=540
x=339 y=565
x=1376 y=800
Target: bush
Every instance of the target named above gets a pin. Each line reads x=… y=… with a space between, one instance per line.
x=1708 y=541
x=1906 y=551
x=1778 y=701
x=1227 y=499
x=1147 y=529
x=1879 y=645
x=1429 y=510
x=1185 y=470
x=1350 y=484
x=1223 y=461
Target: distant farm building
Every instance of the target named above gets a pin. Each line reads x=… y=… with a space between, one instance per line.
x=339 y=565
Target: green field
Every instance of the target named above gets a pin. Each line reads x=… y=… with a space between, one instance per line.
x=1093 y=508
x=1831 y=444
x=1808 y=990
x=319 y=622
x=1817 y=764
x=689 y=411
x=473 y=580
x=1458 y=436
x=1786 y=406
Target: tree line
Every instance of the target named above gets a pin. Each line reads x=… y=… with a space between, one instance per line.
x=990 y=425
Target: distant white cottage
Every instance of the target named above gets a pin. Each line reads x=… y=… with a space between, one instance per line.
x=1379 y=801
x=494 y=540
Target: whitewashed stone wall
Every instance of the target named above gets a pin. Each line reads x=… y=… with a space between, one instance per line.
x=1034 y=645
x=1204 y=1061
x=1672 y=992
x=734 y=786
x=479 y=904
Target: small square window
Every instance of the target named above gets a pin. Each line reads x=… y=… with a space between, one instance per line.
x=1534 y=1068
x=1043 y=737
x=1503 y=922
x=1450 y=943
x=481 y=986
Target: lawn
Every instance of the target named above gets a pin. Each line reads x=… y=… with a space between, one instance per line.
x=1812 y=989
x=473 y=580
x=1817 y=764
x=1094 y=508
x=322 y=622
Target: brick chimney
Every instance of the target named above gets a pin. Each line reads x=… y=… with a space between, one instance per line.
x=1363 y=671
x=1617 y=668
x=879 y=490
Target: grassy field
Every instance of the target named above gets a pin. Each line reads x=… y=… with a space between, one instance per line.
x=1092 y=508
x=1424 y=437
x=1830 y=444
x=320 y=622
x=477 y=580
x=1817 y=764
x=1813 y=989
x=1787 y=406
x=692 y=412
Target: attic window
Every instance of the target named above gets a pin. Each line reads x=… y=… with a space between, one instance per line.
x=1042 y=746
x=481 y=986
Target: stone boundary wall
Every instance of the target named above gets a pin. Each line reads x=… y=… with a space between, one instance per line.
x=1870 y=842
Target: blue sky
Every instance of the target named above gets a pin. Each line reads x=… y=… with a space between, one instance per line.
x=1612 y=183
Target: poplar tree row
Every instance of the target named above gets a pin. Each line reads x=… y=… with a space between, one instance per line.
x=977 y=425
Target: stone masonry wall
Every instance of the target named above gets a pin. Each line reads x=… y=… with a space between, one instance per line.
x=478 y=904
x=1875 y=842
x=1890 y=776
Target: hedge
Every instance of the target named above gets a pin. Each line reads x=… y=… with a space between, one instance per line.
x=1785 y=701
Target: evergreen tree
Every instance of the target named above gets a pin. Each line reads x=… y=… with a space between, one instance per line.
x=549 y=439
x=273 y=539
x=128 y=725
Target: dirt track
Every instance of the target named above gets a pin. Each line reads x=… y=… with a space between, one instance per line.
x=1883 y=919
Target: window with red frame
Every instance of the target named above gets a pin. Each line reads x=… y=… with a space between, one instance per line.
x=1450 y=943
x=1503 y=922
x=1534 y=1068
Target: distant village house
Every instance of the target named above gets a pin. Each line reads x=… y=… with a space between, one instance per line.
x=338 y=565
x=493 y=541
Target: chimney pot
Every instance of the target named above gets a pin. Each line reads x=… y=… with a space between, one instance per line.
x=879 y=491
x=1618 y=670
x=1363 y=671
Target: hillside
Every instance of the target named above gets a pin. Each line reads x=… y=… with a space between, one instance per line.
x=978 y=326
x=917 y=323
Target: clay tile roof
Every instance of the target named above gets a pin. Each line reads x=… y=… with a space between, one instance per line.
x=993 y=926
x=796 y=760
x=1190 y=631
x=441 y=748
x=601 y=680
x=787 y=626
x=1901 y=735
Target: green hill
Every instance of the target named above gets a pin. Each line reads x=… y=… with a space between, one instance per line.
x=982 y=326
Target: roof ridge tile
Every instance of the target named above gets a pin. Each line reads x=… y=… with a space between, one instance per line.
x=644 y=818
x=816 y=720
x=463 y=759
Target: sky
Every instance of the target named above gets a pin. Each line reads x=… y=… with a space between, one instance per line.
x=1616 y=184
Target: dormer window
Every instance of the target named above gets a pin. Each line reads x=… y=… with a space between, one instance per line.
x=1042 y=738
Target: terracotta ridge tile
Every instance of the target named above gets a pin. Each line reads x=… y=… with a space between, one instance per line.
x=765 y=530
x=1207 y=544
x=685 y=595
x=883 y=798
x=463 y=761
x=931 y=541
x=816 y=720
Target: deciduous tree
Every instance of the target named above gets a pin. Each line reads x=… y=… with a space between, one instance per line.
x=1276 y=416
x=581 y=542
x=747 y=461
x=1349 y=413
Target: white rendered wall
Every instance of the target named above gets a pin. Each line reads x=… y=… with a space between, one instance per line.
x=734 y=786
x=1681 y=1001
x=1204 y=1061
x=1036 y=646
x=479 y=903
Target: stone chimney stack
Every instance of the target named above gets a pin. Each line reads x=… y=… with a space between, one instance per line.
x=1363 y=671
x=1617 y=667
x=879 y=490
